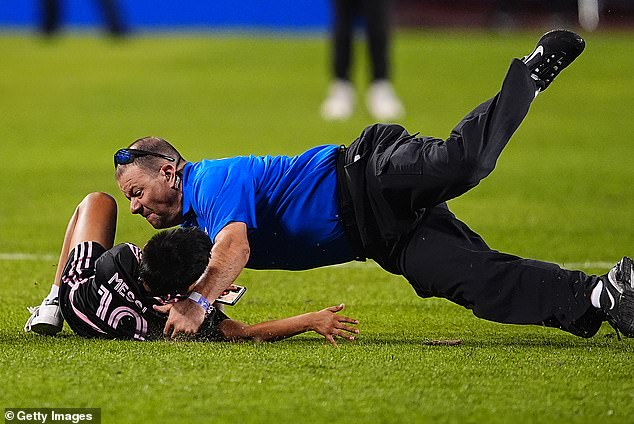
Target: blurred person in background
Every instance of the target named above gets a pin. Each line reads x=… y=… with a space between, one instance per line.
x=507 y=12
x=381 y=99
x=51 y=13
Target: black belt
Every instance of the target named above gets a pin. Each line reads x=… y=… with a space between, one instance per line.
x=346 y=207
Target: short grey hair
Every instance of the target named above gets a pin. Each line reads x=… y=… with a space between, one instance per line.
x=151 y=163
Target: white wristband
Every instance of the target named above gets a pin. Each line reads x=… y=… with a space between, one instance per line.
x=201 y=301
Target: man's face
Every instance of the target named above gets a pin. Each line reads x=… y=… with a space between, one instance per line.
x=152 y=195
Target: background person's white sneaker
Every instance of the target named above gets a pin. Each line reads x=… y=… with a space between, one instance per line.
x=45 y=319
x=339 y=104
x=383 y=103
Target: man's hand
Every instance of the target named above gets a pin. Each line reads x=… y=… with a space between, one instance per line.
x=327 y=323
x=229 y=255
x=184 y=317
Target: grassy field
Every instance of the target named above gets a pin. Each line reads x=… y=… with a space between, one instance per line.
x=561 y=192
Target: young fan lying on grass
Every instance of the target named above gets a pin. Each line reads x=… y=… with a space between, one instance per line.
x=116 y=292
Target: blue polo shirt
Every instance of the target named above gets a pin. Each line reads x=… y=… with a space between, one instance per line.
x=289 y=205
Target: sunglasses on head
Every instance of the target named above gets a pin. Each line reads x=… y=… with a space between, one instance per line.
x=126 y=156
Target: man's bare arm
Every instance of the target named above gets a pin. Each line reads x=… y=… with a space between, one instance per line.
x=229 y=256
x=326 y=322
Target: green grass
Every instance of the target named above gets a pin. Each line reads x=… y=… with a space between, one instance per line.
x=561 y=192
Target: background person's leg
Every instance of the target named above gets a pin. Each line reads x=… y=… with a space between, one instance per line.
x=341 y=98
x=381 y=99
x=343 y=30
x=377 y=24
x=444 y=258
x=50 y=16
x=113 y=17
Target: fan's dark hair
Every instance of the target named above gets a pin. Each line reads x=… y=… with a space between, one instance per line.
x=174 y=259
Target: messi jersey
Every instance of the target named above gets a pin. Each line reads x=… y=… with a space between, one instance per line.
x=101 y=296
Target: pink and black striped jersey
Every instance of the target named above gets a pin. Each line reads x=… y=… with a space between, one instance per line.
x=101 y=295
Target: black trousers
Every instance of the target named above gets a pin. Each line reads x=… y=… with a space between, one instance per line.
x=398 y=184
x=376 y=16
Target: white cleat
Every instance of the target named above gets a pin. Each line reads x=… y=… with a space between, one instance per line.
x=339 y=105
x=45 y=319
x=383 y=103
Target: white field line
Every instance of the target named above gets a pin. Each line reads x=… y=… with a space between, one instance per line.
x=27 y=257
x=566 y=265
x=606 y=265
x=51 y=257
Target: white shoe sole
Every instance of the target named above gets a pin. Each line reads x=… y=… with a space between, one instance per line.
x=48 y=321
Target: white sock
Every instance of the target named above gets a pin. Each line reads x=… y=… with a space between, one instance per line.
x=596 y=294
x=54 y=292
